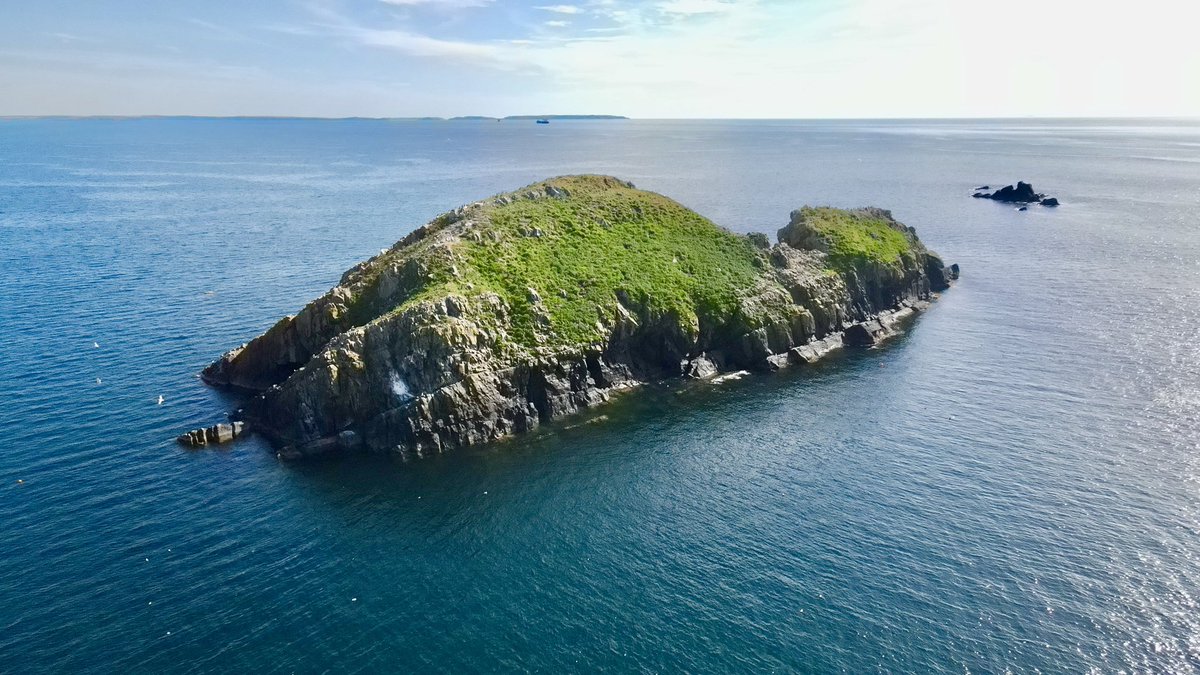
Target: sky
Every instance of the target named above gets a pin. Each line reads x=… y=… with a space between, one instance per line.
x=641 y=58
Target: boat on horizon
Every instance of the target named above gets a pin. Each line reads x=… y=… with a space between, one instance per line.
x=543 y=121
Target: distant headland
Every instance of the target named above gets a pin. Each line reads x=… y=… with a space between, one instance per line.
x=461 y=118
x=536 y=117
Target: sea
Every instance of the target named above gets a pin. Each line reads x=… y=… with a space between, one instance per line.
x=1012 y=486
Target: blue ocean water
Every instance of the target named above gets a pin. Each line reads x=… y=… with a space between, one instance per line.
x=1014 y=485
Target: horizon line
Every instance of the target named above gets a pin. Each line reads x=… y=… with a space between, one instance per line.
x=594 y=117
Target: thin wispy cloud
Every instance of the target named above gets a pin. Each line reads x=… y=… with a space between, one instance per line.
x=696 y=7
x=416 y=44
x=219 y=32
x=67 y=37
x=561 y=9
x=675 y=58
x=439 y=4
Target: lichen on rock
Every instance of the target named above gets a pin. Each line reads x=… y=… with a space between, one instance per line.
x=509 y=312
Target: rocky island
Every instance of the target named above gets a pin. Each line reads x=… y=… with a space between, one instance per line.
x=509 y=312
x=1021 y=193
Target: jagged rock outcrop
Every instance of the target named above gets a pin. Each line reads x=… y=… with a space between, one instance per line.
x=1021 y=193
x=214 y=435
x=471 y=328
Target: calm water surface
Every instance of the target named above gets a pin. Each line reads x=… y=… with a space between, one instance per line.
x=1014 y=485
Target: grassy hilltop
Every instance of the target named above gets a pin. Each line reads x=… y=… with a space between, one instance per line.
x=607 y=238
x=558 y=263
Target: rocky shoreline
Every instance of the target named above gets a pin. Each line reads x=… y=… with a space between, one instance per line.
x=508 y=313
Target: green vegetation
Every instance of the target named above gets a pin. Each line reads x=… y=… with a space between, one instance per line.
x=561 y=262
x=857 y=238
x=606 y=241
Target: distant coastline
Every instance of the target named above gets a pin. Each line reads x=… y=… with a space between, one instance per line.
x=461 y=118
x=554 y=117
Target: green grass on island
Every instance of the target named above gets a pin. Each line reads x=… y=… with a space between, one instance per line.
x=604 y=240
x=580 y=252
x=856 y=238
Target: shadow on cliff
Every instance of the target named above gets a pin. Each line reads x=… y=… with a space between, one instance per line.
x=643 y=432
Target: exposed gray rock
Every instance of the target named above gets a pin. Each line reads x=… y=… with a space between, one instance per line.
x=700 y=368
x=759 y=240
x=353 y=372
x=863 y=334
x=778 y=361
x=214 y=435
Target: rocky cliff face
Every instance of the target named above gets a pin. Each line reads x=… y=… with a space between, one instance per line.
x=506 y=313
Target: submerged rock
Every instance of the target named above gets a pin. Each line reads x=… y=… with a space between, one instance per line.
x=467 y=331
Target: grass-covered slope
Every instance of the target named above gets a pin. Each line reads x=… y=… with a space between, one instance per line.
x=859 y=237
x=560 y=263
x=855 y=240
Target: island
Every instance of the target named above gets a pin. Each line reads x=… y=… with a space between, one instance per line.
x=480 y=118
x=566 y=117
x=504 y=314
x=1021 y=193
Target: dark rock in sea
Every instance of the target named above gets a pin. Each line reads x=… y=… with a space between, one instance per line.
x=984 y=187
x=1023 y=208
x=462 y=334
x=700 y=368
x=1050 y=201
x=216 y=434
x=862 y=334
x=939 y=275
x=1022 y=193
x=981 y=195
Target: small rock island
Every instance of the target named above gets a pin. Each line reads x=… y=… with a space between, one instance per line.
x=1021 y=193
x=507 y=313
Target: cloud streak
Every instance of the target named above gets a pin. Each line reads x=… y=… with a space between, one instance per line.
x=439 y=4
x=561 y=9
x=696 y=7
x=670 y=58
